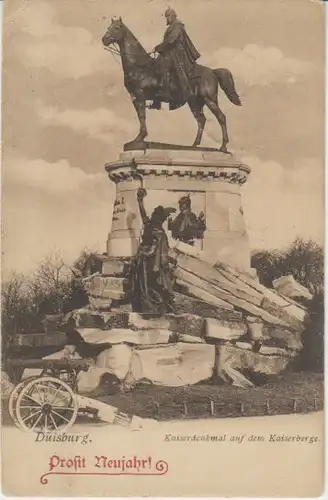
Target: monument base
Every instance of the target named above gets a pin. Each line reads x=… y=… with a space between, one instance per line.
x=143 y=145
x=210 y=178
x=122 y=247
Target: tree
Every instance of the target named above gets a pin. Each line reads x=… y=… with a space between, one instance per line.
x=16 y=309
x=53 y=289
x=77 y=296
x=50 y=285
x=304 y=259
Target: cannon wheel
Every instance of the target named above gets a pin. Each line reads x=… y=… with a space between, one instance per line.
x=46 y=404
x=13 y=399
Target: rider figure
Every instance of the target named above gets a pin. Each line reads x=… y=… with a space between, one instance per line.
x=176 y=61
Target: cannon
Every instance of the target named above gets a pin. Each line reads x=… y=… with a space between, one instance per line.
x=46 y=402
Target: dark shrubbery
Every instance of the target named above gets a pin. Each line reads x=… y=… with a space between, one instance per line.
x=305 y=261
x=312 y=354
x=54 y=288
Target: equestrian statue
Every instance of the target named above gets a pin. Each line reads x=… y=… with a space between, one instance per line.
x=173 y=76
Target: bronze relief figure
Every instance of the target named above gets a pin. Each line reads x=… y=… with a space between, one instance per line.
x=187 y=227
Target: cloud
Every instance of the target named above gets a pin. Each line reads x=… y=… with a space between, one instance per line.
x=257 y=65
x=281 y=204
x=98 y=123
x=67 y=51
x=49 y=206
x=52 y=178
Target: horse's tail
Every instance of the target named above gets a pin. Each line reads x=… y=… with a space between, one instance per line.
x=227 y=84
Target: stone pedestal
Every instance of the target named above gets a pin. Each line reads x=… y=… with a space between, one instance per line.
x=212 y=179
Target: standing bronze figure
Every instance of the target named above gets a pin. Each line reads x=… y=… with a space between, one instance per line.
x=174 y=77
x=151 y=285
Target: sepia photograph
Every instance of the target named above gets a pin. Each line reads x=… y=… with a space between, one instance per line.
x=162 y=288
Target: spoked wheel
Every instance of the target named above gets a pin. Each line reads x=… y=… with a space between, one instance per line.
x=12 y=401
x=46 y=404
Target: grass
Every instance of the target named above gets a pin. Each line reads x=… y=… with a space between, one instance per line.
x=289 y=393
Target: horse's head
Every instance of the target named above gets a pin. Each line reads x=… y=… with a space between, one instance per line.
x=115 y=32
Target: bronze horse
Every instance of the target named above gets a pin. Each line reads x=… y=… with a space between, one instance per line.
x=141 y=79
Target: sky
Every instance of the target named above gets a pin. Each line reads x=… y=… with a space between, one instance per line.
x=66 y=113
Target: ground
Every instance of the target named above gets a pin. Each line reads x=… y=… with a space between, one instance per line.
x=284 y=394
x=289 y=393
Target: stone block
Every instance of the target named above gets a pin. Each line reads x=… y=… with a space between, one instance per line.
x=109 y=287
x=69 y=352
x=191 y=339
x=124 y=335
x=255 y=328
x=288 y=286
x=99 y=303
x=107 y=266
x=187 y=304
x=244 y=345
x=224 y=330
x=190 y=324
x=182 y=323
x=118 y=306
x=232 y=362
x=173 y=365
x=114 y=267
x=115 y=360
x=282 y=337
x=99 y=380
x=199 y=293
x=145 y=321
x=88 y=318
x=276 y=351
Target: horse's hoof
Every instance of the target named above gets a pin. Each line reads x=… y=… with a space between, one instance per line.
x=223 y=149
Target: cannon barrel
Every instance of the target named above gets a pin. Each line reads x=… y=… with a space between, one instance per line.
x=59 y=364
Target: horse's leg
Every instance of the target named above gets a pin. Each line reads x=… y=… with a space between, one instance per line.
x=220 y=116
x=196 y=106
x=140 y=106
